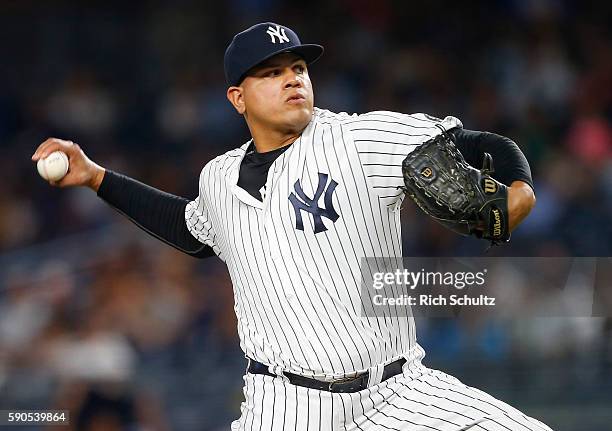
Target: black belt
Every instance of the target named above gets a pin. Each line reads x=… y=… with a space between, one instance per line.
x=354 y=384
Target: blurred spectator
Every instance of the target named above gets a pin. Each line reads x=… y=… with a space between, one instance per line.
x=81 y=106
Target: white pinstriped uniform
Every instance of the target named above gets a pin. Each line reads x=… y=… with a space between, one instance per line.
x=297 y=277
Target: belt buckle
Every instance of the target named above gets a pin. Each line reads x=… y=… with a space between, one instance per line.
x=330 y=386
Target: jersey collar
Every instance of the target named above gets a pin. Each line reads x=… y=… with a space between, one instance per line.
x=239 y=192
x=274 y=172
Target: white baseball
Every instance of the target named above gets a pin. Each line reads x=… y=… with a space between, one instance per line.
x=54 y=167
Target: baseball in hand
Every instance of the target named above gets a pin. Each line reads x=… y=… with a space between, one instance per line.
x=54 y=167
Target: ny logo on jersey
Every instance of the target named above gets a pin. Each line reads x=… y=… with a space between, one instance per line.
x=311 y=206
x=278 y=32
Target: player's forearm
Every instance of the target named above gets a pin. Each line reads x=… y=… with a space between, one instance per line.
x=521 y=200
x=160 y=214
x=509 y=162
x=511 y=168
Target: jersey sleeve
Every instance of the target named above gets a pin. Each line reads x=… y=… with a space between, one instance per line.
x=383 y=139
x=197 y=218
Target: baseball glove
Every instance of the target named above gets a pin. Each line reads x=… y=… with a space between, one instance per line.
x=464 y=199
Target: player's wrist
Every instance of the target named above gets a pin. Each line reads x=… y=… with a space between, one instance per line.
x=97 y=177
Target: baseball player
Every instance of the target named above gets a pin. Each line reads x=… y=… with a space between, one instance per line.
x=292 y=212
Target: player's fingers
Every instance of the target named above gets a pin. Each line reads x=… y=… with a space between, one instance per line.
x=66 y=181
x=61 y=183
x=55 y=144
x=51 y=145
x=42 y=147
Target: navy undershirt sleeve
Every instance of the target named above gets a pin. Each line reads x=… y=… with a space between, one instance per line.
x=509 y=162
x=158 y=213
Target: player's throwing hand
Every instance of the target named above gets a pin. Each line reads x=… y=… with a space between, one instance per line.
x=82 y=171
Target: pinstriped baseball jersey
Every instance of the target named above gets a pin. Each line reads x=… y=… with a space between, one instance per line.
x=294 y=258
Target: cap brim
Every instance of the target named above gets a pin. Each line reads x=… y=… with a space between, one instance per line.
x=310 y=52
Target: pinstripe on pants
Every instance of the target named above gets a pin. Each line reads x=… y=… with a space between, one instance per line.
x=419 y=399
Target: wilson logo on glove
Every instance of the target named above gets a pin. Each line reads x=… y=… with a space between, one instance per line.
x=497 y=224
x=489 y=186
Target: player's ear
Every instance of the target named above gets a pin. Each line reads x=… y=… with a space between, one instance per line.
x=234 y=95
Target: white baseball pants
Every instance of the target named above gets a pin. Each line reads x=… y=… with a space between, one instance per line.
x=419 y=399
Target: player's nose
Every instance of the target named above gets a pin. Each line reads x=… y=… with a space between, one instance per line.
x=293 y=82
x=292 y=79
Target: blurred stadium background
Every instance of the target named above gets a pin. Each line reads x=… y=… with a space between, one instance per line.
x=129 y=334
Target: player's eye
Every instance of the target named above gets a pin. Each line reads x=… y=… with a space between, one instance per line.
x=299 y=68
x=272 y=72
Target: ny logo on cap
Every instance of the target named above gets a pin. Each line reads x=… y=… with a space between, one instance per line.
x=310 y=205
x=278 y=32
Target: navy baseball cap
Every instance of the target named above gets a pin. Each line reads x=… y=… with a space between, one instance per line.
x=258 y=43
